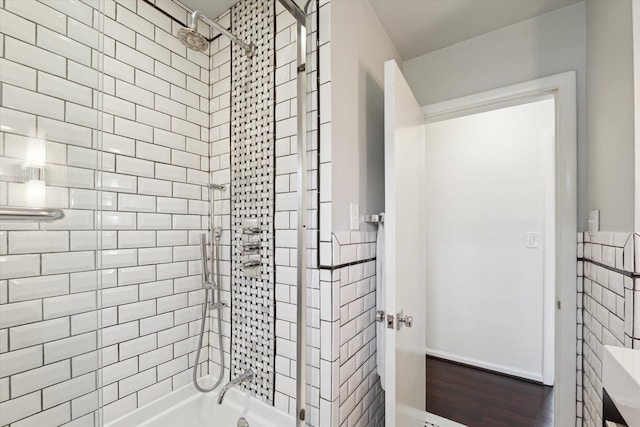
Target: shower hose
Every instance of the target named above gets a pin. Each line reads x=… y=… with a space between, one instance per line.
x=204 y=319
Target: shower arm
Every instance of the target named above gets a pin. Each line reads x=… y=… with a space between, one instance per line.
x=197 y=15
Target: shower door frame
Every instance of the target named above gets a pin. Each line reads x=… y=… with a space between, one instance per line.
x=300 y=16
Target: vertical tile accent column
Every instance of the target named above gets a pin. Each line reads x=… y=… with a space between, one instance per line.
x=252 y=159
x=230 y=153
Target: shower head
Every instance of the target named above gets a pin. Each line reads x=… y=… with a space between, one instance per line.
x=192 y=39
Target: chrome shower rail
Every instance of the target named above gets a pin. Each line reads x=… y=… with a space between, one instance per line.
x=30 y=214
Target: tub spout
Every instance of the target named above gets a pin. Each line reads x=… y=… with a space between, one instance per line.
x=248 y=375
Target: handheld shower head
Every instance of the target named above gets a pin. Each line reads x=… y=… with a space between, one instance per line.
x=192 y=39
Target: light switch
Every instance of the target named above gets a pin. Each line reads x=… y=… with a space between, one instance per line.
x=354 y=215
x=532 y=240
x=594 y=221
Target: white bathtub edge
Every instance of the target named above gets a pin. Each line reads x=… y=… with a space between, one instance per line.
x=234 y=397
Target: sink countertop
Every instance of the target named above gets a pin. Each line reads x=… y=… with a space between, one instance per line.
x=621 y=379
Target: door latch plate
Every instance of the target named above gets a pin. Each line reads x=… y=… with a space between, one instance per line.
x=390 y=321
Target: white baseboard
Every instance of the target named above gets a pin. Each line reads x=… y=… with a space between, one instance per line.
x=441 y=422
x=532 y=376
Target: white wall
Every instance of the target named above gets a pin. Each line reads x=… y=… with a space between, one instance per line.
x=610 y=113
x=535 y=48
x=357 y=109
x=485 y=190
x=636 y=80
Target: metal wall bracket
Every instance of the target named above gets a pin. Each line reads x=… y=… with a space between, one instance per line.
x=218 y=305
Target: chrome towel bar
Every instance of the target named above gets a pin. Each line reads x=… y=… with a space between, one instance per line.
x=30 y=214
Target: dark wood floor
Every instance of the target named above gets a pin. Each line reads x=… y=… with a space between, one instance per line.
x=480 y=398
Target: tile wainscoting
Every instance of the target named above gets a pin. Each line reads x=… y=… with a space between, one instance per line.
x=608 y=310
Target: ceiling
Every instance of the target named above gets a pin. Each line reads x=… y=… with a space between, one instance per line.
x=417 y=27
x=211 y=8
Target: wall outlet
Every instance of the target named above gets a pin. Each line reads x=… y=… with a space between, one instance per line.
x=354 y=216
x=532 y=240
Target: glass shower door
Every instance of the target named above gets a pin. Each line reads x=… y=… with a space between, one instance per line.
x=50 y=201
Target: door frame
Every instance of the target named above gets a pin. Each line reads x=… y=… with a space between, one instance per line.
x=635 y=14
x=563 y=88
x=548 y=176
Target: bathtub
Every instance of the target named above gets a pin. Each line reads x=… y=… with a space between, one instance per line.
x=186 y=407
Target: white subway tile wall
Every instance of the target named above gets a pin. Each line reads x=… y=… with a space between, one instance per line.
x=285 y=220
x=347 y=390
x=156 y=144
x=314 y=404
x=607 y=283
x=355 y=381
x=220 y=167
x=143 y=284
x=580 y=333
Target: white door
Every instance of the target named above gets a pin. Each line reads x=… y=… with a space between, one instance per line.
x=404 y=252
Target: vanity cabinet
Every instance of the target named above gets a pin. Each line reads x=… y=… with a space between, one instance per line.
x=621 y=387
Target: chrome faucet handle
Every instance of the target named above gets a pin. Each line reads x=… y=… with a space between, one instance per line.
x=249 y=374
x=251 y=230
